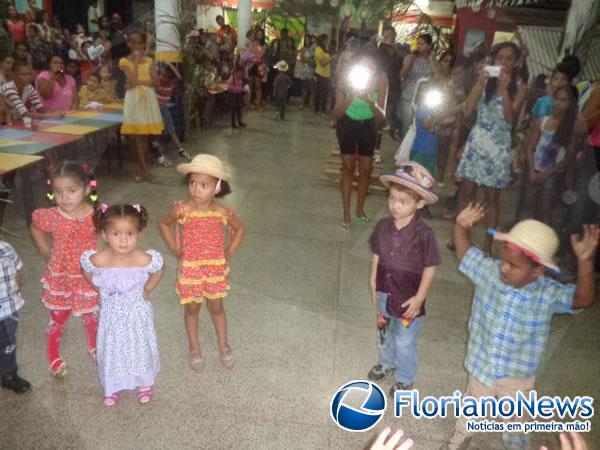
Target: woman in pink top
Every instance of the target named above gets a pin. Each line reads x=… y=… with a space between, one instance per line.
x=58 y=90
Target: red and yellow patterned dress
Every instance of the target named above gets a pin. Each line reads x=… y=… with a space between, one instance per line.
x=202 y=268
x=65 y=287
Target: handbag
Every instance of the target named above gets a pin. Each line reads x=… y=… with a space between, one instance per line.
x=403 y=152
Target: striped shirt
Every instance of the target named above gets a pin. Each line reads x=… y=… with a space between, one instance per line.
x=20 y=104
x=509 y=327
x=10 y=297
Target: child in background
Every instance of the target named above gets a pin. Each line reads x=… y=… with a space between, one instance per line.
x=11 y=302
x=141 y=113
x=70 y=224
x=203 y=254
x=513 y=306
x=72 y=68
x=281 y=89
x=92 y=91
x=424 y=148
x=125 y=276
x=86 y=65
x=108 y=83
x=543 y=105
x=167 y=78
x=22 y=53
x=235 y=97
x=405 y=256
x=549 y=152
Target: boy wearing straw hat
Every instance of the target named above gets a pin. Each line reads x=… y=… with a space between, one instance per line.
x=281 y=89
x=405 y=256
x=513 y=306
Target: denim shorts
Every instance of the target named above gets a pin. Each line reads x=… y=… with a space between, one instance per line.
x=165 y=112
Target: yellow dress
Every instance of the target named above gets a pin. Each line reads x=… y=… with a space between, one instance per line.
x=141 y=113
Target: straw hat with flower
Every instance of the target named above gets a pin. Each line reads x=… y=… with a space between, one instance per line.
x=206 y=164
x=534 y=239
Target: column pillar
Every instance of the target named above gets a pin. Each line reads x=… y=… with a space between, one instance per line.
x=168 y=41
x=244 y=20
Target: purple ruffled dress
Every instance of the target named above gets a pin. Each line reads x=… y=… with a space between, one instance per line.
x=126 y=348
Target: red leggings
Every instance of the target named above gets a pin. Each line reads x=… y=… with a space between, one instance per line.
x=56 y=328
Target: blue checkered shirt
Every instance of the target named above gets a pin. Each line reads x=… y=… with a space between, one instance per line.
x=10 y=297
x=509 y=327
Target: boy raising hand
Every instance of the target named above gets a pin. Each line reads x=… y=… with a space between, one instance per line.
x=513 y=306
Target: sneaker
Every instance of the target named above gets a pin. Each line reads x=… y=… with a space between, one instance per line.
x=243 y=125
x=164 y=161
x=377 y=158
x=400 y=387
x=184 y=154
x=378 y=372
x=227 y=358
x=16 y=384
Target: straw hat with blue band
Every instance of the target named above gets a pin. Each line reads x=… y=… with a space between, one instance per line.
x=534 y=239
x=414 y=176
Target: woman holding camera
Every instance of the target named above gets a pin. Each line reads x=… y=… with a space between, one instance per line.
x=498 y=96
x=361 y=97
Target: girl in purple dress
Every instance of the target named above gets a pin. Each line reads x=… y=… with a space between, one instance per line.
x=127 y=353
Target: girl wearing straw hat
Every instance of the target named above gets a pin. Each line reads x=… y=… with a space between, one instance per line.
x=513 y=307
x=202 y=251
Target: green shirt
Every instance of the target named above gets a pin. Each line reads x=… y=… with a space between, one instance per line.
x=360 y=109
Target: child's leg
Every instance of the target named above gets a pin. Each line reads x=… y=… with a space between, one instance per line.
x=508 y=387
x=474 y=389
x=8 y=346
x=239 y=115
x=141 y=147
x=406 y=339
x=219 y=319
x=56 y=328
x=90 y=323
x=176 y=140
x=191 y=313
x=234 y=113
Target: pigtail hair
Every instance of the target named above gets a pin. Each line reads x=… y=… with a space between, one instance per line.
x=141 y=212
x=225 y=189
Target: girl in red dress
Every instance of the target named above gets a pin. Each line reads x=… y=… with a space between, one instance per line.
x=65 y=290
x=203 y=253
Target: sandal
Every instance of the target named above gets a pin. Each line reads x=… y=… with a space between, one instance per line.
x=145 y=394
x=58 y=369
x=227 y=358
x=112 y=400
x=364 y=220
x=196 y=362
x=346 y=226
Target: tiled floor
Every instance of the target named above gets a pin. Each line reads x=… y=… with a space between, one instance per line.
x=299 y=315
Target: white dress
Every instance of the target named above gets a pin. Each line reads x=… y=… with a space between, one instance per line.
x=126 y=348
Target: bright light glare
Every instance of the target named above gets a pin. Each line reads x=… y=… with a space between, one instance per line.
x=359 y=77
x=433 y=98
x=422 y=3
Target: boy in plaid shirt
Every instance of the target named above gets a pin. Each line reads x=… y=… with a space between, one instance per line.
x=10 y=303
x=513 y=306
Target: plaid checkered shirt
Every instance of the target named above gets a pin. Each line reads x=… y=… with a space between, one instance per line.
x=509 y=327
x=10 y=297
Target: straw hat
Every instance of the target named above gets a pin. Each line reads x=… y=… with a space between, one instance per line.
x=534 y=239
x=282 y=66
x=414 y=176
x=207 y=164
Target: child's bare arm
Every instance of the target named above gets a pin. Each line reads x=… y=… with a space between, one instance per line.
x=373 y=279
x=237 y=233
x=165 y=230
x=413 y=304
x=468 y=217
x=40 y=242
x=152 y=282
x=585 y=249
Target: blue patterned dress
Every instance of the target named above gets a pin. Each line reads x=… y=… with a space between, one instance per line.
x=488 y=154
x=126 y=348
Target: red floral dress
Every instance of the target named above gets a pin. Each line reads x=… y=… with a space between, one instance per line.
x=202 y=268
x=64 y=284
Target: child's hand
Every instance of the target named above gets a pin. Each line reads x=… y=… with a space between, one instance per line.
x=585 y=248
x=383 y=443
x=469 y=216
x=413 y=307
